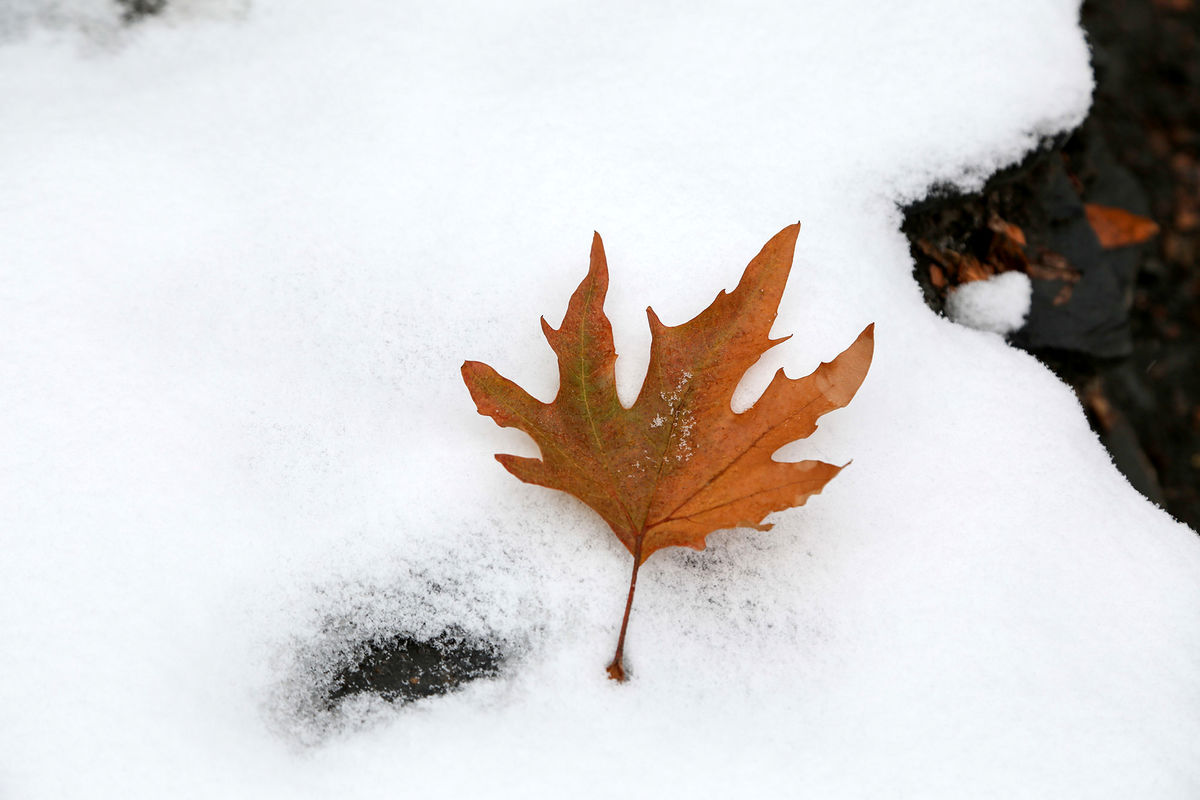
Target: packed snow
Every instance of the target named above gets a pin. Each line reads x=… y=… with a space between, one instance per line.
x=242 y=257
x=998 y=304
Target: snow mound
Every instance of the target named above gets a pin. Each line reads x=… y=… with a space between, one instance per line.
x=998 y=304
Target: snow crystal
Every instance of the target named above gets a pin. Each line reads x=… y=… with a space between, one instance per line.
x=998 y=304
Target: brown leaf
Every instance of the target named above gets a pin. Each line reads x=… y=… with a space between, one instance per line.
x=971 y=268
x=1052 y=266
x=959 y=267
x=1187 y=219
x=937 y=276
x=1063 y=295
x=1095 y=401
x=679 y=463
x=1006 y=249
x=1006 y=229
x=1116 y=227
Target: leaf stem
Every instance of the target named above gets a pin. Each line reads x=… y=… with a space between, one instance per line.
x=616 y=670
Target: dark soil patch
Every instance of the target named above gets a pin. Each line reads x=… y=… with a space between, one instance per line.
x=402 y=669
x=134 y=10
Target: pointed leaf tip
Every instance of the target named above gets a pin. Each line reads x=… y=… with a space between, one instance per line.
x=779 y=251
x=597 y=265
x=785 y=240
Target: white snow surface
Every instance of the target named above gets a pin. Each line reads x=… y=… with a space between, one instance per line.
x=241 y=261
x=998 y=304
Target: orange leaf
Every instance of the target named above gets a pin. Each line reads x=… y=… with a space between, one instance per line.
x=1116 y=227
x=1006 y=228
x=971 y=268
x=679 y=463
x=937 y=276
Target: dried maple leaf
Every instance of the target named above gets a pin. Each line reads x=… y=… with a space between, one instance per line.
x=679 y=463
x=961 y=267
x=1116 y=227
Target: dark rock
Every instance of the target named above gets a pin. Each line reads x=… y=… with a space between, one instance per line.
x=1094 y=317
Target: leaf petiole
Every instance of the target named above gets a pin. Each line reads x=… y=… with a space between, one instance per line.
x=616 y=670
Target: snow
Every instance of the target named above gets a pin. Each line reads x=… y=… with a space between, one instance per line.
x=242 y=257
x=998 y=304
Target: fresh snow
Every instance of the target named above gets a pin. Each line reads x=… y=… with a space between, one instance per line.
x=242 y=257
x=998 y=304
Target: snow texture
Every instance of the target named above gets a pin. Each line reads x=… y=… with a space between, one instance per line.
x=241 y=260
x=998 y=304
x=101 y=21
